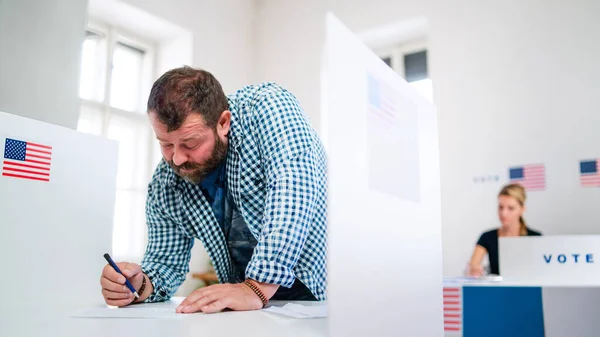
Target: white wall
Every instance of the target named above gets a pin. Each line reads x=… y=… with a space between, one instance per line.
x=40 y=44
x=514 y=83
x=222 y=32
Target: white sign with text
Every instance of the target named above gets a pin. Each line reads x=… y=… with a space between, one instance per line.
x=551 y=260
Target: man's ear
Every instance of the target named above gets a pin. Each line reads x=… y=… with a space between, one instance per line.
x=224 y=123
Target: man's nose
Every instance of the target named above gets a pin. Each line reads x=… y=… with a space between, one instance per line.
x=179 y=158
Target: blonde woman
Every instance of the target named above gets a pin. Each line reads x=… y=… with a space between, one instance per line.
x=511 y=205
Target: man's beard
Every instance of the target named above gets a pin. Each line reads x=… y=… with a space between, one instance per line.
x=195 y=172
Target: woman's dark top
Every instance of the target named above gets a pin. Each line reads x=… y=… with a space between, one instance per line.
x=489 y=241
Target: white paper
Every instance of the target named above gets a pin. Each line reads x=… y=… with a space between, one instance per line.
x=161 y=310
x=487 y=278
x=299 y=311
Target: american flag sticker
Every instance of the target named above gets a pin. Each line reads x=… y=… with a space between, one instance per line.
x=532 y=177
x=382 y=101
x=26 y=160
x=453 y=317
x=589 y=173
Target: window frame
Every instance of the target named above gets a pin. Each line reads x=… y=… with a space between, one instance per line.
x=104 y=111
x=396 y=54
x=114 y=35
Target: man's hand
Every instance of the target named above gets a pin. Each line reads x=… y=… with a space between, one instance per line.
x=114 y=290
x=217 y=297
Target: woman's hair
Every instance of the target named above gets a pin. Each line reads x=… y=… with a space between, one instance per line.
x=518 y=192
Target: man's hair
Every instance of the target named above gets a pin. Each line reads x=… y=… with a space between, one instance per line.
x=182 y=91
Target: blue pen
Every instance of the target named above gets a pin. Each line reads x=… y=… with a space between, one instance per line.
x=114 y=265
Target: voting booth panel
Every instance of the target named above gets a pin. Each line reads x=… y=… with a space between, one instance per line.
x=384 y=201
x=57 y=195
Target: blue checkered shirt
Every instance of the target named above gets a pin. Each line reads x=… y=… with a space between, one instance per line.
x=276 y=172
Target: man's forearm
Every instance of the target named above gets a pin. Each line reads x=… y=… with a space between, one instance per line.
x=148 y=290
x=268 y=289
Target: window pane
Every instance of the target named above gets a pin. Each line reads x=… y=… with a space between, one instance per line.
x=91 y=81
x=415 y=66
x=126 y=77
x=133 y=135
x=129 y=230
x=387 y=60
x=133 y=175
x=90 y=120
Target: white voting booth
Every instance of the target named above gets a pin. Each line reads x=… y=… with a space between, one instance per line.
x=385 y=261
x=562 y=260
x=57 y=194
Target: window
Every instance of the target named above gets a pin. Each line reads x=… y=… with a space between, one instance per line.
x=116 y=72
x=410 y=61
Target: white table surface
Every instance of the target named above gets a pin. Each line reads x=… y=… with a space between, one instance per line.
x=49 y=323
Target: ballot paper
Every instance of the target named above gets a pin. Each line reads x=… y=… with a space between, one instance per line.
x=164 y=310
x=486 y=278
x=299 y=311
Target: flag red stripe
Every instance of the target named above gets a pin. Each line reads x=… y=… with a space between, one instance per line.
x=451 y=328
x=40 y=145
x=39 y=151
x=36 y=156
x=451 y=302
x=26 y=171
x=24 y=177
x=383 y=115
x=451 y=322
x=37 y=162
x=534 y=178
x=450 y=296
x=452 y=309
x=450 y=289
x=25 y=165
x=452 y=315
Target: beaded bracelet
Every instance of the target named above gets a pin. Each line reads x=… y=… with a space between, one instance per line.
x=257 y=291
x=143 y=286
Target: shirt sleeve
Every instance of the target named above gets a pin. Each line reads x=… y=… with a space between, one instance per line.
x=167 y=256
x=484 y=241
x=293 y=167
